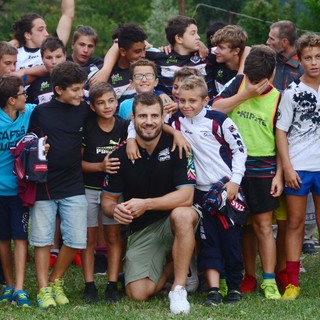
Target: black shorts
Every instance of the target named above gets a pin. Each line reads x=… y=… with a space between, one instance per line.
x=257 y=193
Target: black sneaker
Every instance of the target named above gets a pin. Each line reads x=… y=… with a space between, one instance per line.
x=309 y=248
x=233 y=296
x=112 y=295
x=213 y=298
x=90 y=294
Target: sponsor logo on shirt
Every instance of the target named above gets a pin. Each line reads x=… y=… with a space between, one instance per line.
x=164 y=155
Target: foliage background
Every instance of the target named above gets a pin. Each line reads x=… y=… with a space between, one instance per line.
x=105 y=15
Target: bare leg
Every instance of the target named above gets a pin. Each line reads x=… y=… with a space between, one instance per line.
x=42 y=256
x=183 y=221
x=262 y=225
x=87 y=255
x=20 y=260
x=114 y=243
x=6 y=260
x=65 y=258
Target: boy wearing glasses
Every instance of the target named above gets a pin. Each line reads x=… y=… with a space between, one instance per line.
x=14 y=121
x=144 y=78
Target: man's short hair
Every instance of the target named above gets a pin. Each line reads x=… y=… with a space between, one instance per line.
x=143 y=63
x=130 y=34
x=212 y=29
x=147 y=99
x=66 y=74
x=87 y=31
x=99 y=89
x=25 y=24
x=186 y=72
x=307 y=40
x=287 y=30
x=260 y=63
x=7 y=49
x=194 y=83
x=178 y=26
x=234 y=35
x=9 y=87
x=52 y=44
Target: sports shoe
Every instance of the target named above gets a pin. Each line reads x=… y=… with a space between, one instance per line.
x=302 y=269
x=20 y=298
x=309 y=248
x=270 y=289
x=53 y=259
x=178 y=300
x=233 y=296
x=213 y=299
x=58 y=292
x=112 y=295
x=45 y=298
x=77 y=259
x=282 y=280
x=249 y=284
x=7 y=294
x=223 y=288
x=292 y=292
x=90 y=294
x=192 y=283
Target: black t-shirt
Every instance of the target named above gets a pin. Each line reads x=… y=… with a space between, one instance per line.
x=168 y=64
x=150 y=176
x=40 y=90
x=97 y=144
x=63 y=125
x=92 y=61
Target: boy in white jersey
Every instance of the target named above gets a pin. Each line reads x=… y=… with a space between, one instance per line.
x=218 y=152
x=298 y=144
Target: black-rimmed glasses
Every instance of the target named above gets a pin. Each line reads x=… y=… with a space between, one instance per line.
x=22 y=93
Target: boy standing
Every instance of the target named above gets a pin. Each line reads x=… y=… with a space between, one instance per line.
x=216 y=144
x=298 y=142
x=62 y=119
x=252 y=102
x=102 y=134
x=14 y=121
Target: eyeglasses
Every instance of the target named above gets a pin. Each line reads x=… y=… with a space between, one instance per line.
x=148 y=76
x=22 y=93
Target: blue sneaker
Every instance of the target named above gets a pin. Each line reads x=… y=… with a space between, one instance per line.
x=20 y=298
x=7 y=294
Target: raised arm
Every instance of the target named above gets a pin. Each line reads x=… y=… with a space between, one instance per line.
x=110 y=60
x=65 y=23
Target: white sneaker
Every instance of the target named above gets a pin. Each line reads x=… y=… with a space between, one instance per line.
x=178 y=300
x=192 y=283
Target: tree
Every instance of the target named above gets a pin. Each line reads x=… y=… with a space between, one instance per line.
x=161 y=11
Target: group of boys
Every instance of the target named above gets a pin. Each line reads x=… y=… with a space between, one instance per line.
x=158 y=192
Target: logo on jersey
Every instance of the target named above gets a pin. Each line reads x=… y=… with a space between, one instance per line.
x=116 y=78
x=195 y=59
x=44 y=85
x=164 y=155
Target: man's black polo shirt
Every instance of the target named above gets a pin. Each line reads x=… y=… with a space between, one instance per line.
x=150 y=177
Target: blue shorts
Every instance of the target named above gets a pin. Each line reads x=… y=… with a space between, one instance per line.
x=73 y=215
x=310 y=183
x=14 y=219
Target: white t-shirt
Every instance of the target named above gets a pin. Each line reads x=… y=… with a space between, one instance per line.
x=299 y=116
x=28 y=58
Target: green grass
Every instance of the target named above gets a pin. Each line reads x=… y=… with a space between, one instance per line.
x=252 y=306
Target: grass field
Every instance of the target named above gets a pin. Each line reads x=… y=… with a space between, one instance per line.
x=252 y=306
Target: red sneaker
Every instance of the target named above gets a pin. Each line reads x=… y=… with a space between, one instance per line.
x=53 y=259
x=77 y=259
x=249 y=284
x=282 y=280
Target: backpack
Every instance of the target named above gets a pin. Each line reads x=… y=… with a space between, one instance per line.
x=30 y=161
